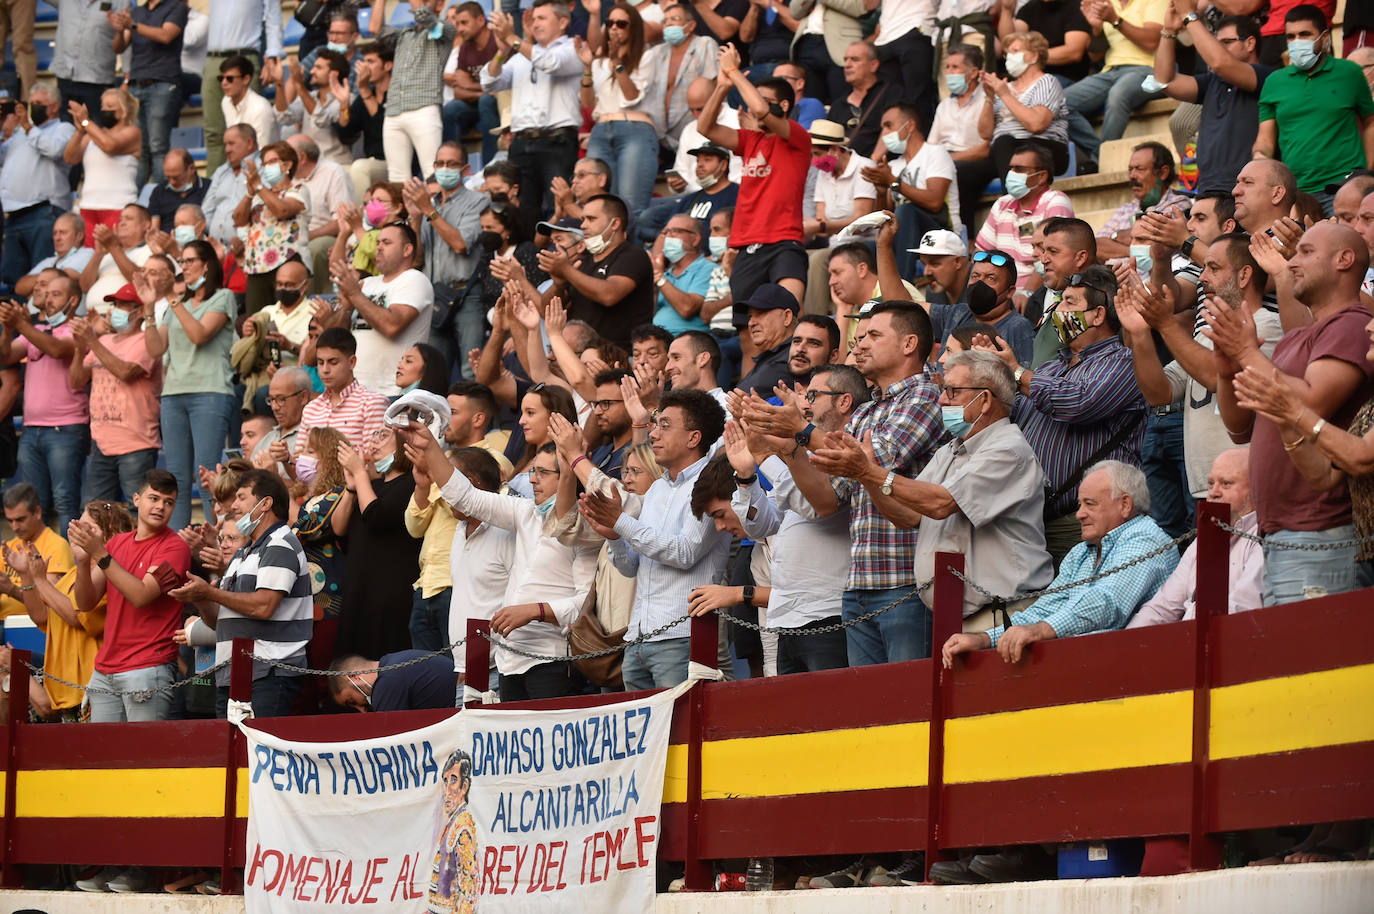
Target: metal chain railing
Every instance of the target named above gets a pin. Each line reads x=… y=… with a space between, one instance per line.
x=1357 y=542
x=307 y=671
x=136 y=694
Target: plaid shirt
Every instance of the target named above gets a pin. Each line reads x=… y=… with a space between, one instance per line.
x=906 y=426
x=1128 y=212
x=417 y=80
x=1108 y=604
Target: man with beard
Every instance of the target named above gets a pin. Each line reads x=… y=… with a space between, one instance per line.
x=1152 y=174
x=612 y=422
x=474 y=411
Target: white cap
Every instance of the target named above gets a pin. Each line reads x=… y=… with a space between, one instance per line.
x=941 y=241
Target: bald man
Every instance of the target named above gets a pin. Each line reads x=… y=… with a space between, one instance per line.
x=1265 y=191
x=1365 y=58
x=1229 y=484
x=1324 y=364
x=1346 y=202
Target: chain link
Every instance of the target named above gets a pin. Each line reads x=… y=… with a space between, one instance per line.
x=136 y=694
x=1037 y=594
x=827 y=629
x=307 y=671
x=604 y=652
x=1357 y=542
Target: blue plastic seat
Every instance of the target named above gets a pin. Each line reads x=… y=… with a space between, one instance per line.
x=46 y=49
x=402 y=16
x=293 y=34
x=187 y=137
x=45 y=12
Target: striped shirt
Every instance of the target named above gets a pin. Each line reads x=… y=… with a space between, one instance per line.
x=1045 y=92
x=1126 y=214
x=906 y=426
x=417 y=80
x=1009 y=228
x=275 y=561
x=1108 y=604
x=669 y=551
x=357 y=415
x=1074 y=408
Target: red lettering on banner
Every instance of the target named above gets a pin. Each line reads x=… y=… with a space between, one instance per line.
x=521 y=853
x=307 y=877
x=295 y=869
x=541 y=859
x=404 y=880
x=260 y=858
x=373 y=878
x=502 y=867
x=561 y=848
x=642 y=838
x=489 y=855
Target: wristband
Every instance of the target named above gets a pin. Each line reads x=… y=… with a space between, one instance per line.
x=541 y=611
x=744 y=481
x=1317 y=429
x=1290 y=448
x=640 y=424
x=573 y=465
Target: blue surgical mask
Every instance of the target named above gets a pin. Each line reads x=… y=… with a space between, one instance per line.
x=955 y=423
x=894 y=143
x=183 y=188
x=184 y=234
x=1303 y=53
x=437 y=31
x=271 y=174
x=246 y=523
x=718 y=245
x=57 y=320
x=674 y=34
x=1143 y=261
x=1016 y=184
x=195 y=284
x=1040 y=269
x=337 y=48
x=383 y=464
x=119 y=320
x=448 y=178
x=673 y=249
x=544 y=507
x=956 y=83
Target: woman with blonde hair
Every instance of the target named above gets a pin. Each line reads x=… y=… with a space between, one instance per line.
x=107 y=144
x=1029 y=106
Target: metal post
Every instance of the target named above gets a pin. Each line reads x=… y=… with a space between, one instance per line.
x=1213 y=584
x=947 y=618
x=478 y=661
x=240 y=689
x=10 y=875
x=704 y=650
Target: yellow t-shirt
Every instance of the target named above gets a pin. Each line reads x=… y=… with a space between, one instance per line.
x=70 y=651
x=1122 y=51
x=53 y=548
x=434 y=525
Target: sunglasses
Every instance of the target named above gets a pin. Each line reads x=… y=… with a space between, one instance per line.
x=1084 y=281
x=996 y=258
x=617 y=23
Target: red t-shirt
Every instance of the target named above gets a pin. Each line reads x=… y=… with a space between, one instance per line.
x=1283 y=499
x=771 y=185
x=135 y=638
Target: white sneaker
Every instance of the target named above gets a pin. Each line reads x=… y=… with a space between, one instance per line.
x=134 y=879
x=100 y=882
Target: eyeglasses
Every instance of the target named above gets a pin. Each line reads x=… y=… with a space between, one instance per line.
x=185 y=260
x=602 y=406
x=996 y=258
x=617 y=23
x=281 y=401
x=811 y=395
x=451 y=163
x=542 y=471
x=949 y=389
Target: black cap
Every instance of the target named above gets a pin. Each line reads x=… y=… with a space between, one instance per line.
x=771 y=296
x=567 y=224
x=710 y=149
x=1358 y=172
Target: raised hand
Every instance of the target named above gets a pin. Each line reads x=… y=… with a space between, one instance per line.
x=1269 y=396
x=584 y=52
x=1231 y=330
x=639 y=413
x=998 y=347
x=843 y=455
x=555 y=316
x=567 y=436
x=737 y=450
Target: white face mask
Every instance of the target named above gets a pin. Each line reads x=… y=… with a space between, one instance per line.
x=1016 y=64
x=596 y=243
x=894 y=142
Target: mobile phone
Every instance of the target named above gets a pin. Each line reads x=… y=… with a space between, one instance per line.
x=274 y=352
x=232 y=453
x=672 y=173
x=106 y=6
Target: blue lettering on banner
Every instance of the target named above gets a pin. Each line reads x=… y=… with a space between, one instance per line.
x=401 y=766
x=565 y=805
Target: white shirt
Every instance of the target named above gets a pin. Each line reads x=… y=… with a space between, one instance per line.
x=329 y=186
x=956 y=125
x=255 y=111
x=669 y=551
x=318 y=125
x=479 y=566
x=810 y=561
x=690 y=138
x=544 y=86
x=897 y=17
x=379 y=355
x=838 y=192
x=932 y=161
x=543 y=571
x=110 y=280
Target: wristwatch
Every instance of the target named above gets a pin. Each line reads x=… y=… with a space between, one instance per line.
x=431 y=217
x=746 y=481
x=1189 y=19
x=748 y=590
x=105 y=562
x=85 y=122
x=1016 y=375
x=886 y=487
x=803 y=437
x=620 y=68
x=1187 y=246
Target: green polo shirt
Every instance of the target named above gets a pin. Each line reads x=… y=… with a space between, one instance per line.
x=1318 y=114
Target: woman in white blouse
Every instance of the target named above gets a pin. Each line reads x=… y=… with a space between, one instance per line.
x=618 y=85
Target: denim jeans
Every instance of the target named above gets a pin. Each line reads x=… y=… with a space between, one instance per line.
x=51 y=459
x=273 y=695
x=1291 y=575
x=655 y=216
x=656 y=664
x=631 y=149
x=812 y=652
x=1116 y=93
x=117 y=709
x=28 y=239
x=194 y=427
x=1161 y=455
x=429 y=620
x=901 y=633
x=470 y=328
x=119 y=477
x=461 y=116
x=159 y=109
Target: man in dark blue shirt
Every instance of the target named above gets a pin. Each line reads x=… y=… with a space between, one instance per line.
x=429 y=684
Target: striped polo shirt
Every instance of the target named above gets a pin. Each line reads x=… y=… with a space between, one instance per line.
x=275 y=561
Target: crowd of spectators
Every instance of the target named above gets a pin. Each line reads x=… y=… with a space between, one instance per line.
x=717 y=326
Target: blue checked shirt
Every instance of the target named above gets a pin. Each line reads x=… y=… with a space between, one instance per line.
x=906 y=427
x=1109 y=603
x=1074 y=409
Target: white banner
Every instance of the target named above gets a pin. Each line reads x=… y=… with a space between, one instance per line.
x=497 y=811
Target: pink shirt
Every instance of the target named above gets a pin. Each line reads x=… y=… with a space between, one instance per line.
x=124 y=414
x=1010 y=226
x=49 y=399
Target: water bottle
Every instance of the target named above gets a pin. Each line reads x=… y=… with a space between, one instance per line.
x=758 y=876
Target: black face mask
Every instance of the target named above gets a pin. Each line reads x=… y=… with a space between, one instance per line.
x=775 y=109
x=490 y=241
x=37 y=113
x=108 y=119
x=500 y=197
x=981 y=298
x=288 y=297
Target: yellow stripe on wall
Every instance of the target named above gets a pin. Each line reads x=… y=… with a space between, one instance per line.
x=1067 y=739
x=828 y=761
x=1290 y=713
x=126 y=793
